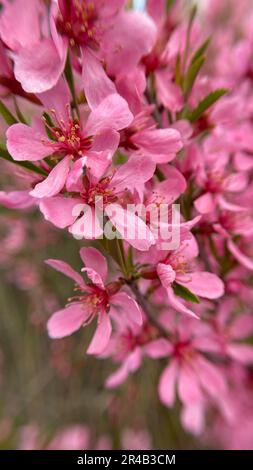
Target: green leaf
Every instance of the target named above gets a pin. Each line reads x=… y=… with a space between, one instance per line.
x=19 y=114
x=185 y=293
x=178 y=76
x=208 y=101
x=201 y=50
x=7 y=115
x=169 y=4
x=71 y=82
x=27 y=165
x=119 y=158
x=48 y=124
x=192 y=74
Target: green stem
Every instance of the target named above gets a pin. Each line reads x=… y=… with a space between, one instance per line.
x=70 y=79
x=27 y=165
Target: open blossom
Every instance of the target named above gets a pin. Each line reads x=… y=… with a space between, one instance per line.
x=189 y=373
x=178 y=267
x=142 y=136
x=86 y=27
x=108 y=194
x=218 y=183
x=65 y=139
x=227 y=330
x=95 y=299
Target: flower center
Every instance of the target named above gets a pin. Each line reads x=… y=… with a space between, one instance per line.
x=215 y=180
x=179 y=263
x=78 y=20
x=94 y=194
x=183 y=350
x=67 y=136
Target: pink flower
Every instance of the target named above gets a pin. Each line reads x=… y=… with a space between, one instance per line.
x=189 y=372
x=95 y=300
x=177 y=267
x=94 y=28
x=65 y=140
x=232 y=224
x=24 y=29
x=128 y=346
x=227 y=332
x=218 y=183
x=143 y=137
x=109 y=193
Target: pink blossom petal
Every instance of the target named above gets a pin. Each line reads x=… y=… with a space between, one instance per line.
x=117 y=377
x=241 y=258
x=97 y=85
x=66 y=269
x=74 y=182
x=54 y=182
x=94 y=277
x=211 y=378
x=242 y=326
x=67 y=321
x=102 y=335
x=19 y=23
x=161 y=144
x=205 y=284
x=166 y=274
x=127 y=307
x=242 y=353
x=130 y=365
x=177 y=304
x=98 y=163
x=92 y=258
x=236 y=182
x=88 y=225
x=57 y=99
x=16 y=199
x=158 y=348
x=138 y=170
x=26 y=143
x=40 y=71
x=205 y=203
x=106 y=140
x=230 y=206
x=60 y=210
x=112 y=112
x=193 y=418
x=130 y=227
x=189 y=390
x=171 y=188
x=169 y=94
x=131 y=37
x=167 y=384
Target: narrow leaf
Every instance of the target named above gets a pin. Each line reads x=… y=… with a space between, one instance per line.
x=27 y=165
x=185 y=293
x=192 y=74
x=208 y=101
x=201 y=50
x=19 y=114
x=7 y=115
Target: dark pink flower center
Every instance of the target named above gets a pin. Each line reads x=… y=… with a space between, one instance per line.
x=92 y=194
x=179 y=263
x=215 y=181
x=67 y=137
x=183 y=350
x=78 y=20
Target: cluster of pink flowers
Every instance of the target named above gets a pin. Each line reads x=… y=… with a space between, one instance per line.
x=104 y=103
